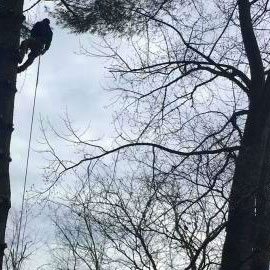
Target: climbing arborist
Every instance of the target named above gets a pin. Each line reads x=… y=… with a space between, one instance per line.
x=38 y=43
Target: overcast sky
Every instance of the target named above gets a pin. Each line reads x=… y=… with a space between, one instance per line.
x=69 y=82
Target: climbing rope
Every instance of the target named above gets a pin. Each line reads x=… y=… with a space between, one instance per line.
x=27 y=160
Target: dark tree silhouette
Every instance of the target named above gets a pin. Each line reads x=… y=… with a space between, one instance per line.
x=11 y=19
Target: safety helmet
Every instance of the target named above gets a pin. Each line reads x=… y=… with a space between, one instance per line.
x=46 y=20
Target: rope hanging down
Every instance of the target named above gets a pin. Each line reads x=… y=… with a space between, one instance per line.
x=27 y=160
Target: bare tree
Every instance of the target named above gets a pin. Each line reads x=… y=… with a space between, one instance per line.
x=149 y=218
x=19 y=253
x=78 y=243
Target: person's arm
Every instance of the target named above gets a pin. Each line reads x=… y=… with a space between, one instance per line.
x=35 y=30
x=48 y=43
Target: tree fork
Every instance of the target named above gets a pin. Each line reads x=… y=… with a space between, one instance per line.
x=11 y=18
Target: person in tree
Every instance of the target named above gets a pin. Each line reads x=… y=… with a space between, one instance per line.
x=38 y=43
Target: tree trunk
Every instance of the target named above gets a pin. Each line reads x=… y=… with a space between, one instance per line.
x=238 y=246
x=10 y=24
x=247 y=241
x=261 y=251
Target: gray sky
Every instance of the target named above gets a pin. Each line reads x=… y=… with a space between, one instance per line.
x=69 y=82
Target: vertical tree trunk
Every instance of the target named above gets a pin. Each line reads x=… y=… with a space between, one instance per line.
x=238 y=247
x=10 y=24
x=261 y=249
x=248 y=234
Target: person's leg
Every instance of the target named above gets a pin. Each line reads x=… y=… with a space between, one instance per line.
x=36 y=48
x=31 y=57
x=24 y=47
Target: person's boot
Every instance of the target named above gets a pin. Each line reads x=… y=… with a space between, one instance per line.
x=22 y=51
x=27 y=63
